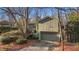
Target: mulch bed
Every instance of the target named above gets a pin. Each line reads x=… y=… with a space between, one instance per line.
x=70 y=47
x=15 y=47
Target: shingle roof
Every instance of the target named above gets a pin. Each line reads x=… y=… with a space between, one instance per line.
x=45 y=19
x=4 y=22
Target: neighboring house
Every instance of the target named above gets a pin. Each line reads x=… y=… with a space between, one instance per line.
x=48 y=29
x=5 y=23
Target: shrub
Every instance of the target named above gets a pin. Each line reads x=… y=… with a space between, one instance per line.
x=15 y=28
x=6 y=29
x=30 y=36
x=21 y=41
x=33 y=36
x=35 y=31
x=5 y=40
x=13 y=38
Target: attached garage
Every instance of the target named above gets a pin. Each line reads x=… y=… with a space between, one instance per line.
x=48 y=29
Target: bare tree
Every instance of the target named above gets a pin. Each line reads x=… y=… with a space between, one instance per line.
x=61 y=29
x=37 y=18
x=19 y=13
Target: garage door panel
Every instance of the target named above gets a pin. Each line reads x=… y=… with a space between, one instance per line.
x=49 y=36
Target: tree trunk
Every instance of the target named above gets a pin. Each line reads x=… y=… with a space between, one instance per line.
x=61 y=30
x=17 y=22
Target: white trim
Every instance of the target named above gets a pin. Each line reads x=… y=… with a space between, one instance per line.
x=39 y=35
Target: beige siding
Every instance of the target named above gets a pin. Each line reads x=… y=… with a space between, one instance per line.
x=51 y=26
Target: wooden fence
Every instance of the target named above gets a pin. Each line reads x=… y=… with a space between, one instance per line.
x=72 y=31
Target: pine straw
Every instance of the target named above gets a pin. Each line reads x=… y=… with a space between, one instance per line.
x=15 y=47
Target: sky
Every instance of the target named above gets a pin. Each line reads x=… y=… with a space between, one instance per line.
x=45 y=11
x=49 y=11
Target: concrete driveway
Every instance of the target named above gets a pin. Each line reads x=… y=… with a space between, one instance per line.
x=43 y=45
